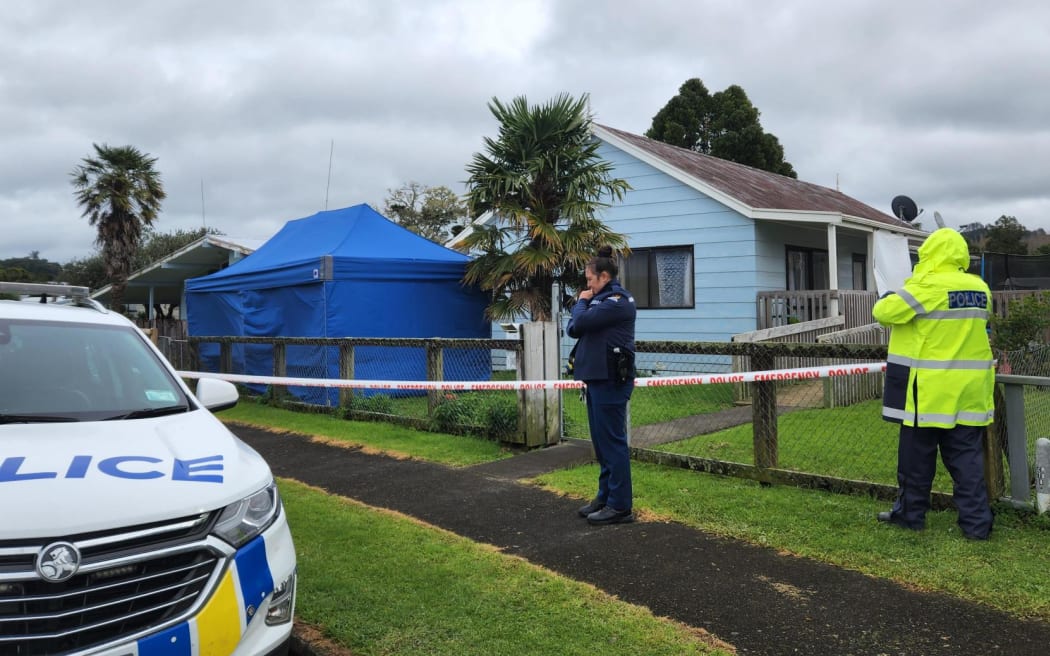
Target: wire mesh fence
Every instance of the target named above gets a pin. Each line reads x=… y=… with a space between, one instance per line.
x=804 y=429
x=1032 y=366
x=493 y=414
x=825 y=427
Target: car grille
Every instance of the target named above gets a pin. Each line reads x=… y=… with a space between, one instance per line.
x=129 y=583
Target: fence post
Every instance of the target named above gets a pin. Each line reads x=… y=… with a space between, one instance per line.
x=1017 y=443
x=764 y=411
x=540 y=361
x=346 y=372
x=280 y=369
x=994 y=440
x=226 y=358
x=435 y=371
x=193 y=355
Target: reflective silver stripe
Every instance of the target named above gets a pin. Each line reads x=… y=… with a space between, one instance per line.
x=894 y=413
x=957 y=314
x=928 y=418
x=916 y=363
x=893 y=358
x=912 y=302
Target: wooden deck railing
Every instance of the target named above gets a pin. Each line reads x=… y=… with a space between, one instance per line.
x=783 y=308
x=848 y=390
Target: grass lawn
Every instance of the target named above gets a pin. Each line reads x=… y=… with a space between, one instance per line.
x=1010 y=572
x=455 y=450
x=380 y=583
x=653 y=405
x=852 y=442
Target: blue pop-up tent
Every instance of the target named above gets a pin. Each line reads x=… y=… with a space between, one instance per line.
x=343 y=273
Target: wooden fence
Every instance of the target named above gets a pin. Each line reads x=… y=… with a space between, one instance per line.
x=848 y=390
x=785 y=308
x=797 y=333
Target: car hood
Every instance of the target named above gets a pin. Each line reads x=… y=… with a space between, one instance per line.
x=62 y=479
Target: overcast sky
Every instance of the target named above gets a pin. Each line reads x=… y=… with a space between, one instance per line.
x=947 y=102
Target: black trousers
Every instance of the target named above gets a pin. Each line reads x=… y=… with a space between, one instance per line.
x=963 y=456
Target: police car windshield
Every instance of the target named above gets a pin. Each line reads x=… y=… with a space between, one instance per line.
x=80 y=372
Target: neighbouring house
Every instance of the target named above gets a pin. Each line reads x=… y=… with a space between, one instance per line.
x=163 y=282
x=708 y=236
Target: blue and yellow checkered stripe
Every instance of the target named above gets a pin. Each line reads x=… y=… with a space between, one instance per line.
x=218 y=627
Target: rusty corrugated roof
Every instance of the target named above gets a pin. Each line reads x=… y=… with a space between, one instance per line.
x=755 y=188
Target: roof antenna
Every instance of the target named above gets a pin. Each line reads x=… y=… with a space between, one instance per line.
x=329 y=185
x=204 y=222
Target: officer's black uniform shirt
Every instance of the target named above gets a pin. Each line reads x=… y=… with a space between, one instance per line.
x=601 y=324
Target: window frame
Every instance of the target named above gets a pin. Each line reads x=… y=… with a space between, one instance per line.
x=860 y=259
x=809 y=253
x=652 y=279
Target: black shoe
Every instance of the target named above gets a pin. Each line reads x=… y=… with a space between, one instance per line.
x=592 y=507
x=608 y=515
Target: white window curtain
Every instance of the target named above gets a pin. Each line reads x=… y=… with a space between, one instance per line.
x=674 y=269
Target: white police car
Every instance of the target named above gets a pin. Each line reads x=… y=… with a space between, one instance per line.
x=132 y=522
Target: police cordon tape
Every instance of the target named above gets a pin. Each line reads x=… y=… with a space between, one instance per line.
x=805 y=373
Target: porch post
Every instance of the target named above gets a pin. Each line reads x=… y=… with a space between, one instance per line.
x=869 y=262
x=833 y=271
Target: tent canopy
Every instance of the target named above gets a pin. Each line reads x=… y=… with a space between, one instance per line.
x=353 y=242
x=344 y=273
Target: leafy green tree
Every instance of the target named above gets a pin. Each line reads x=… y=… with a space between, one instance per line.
x=120 y=193
x=31 y=268
x=543 y=180
x=90 y=271
x=155 y=246
x=724 y=125
x=1006 y=235
x=431 y=212
x=1043 y=250
x=16 y=274
x=87 y=271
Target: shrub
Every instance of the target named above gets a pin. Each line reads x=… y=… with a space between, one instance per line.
x=1024 y=325
x=1020 y=338
x=378 y=403
x=489 y=415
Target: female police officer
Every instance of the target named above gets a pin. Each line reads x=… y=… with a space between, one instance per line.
x=603 y=321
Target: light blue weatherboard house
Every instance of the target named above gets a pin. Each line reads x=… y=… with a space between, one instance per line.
x=707 y=235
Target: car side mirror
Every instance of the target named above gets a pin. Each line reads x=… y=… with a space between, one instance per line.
x=216 y=395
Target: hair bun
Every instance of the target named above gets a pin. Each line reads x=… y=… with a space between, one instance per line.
x=605 y=251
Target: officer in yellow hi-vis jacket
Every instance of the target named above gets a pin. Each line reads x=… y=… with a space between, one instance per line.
x=939 y=382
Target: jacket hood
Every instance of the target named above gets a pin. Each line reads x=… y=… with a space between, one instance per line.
x=944 y=250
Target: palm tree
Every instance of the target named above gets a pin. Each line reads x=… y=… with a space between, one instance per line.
x=543 y=180
x=120 y=193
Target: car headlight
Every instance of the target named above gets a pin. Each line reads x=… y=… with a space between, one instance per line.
x=240 y=522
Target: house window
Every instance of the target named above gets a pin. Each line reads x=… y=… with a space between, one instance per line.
x=807 y=268
x=860 y=271
x=659 y=277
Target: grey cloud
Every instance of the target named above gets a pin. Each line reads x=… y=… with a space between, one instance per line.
x=944 y=103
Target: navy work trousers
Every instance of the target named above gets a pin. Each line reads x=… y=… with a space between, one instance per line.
x=607 y=417
x=963 y=456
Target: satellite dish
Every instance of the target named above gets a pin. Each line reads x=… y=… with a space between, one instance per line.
x=938 y=219
x=904 y=208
